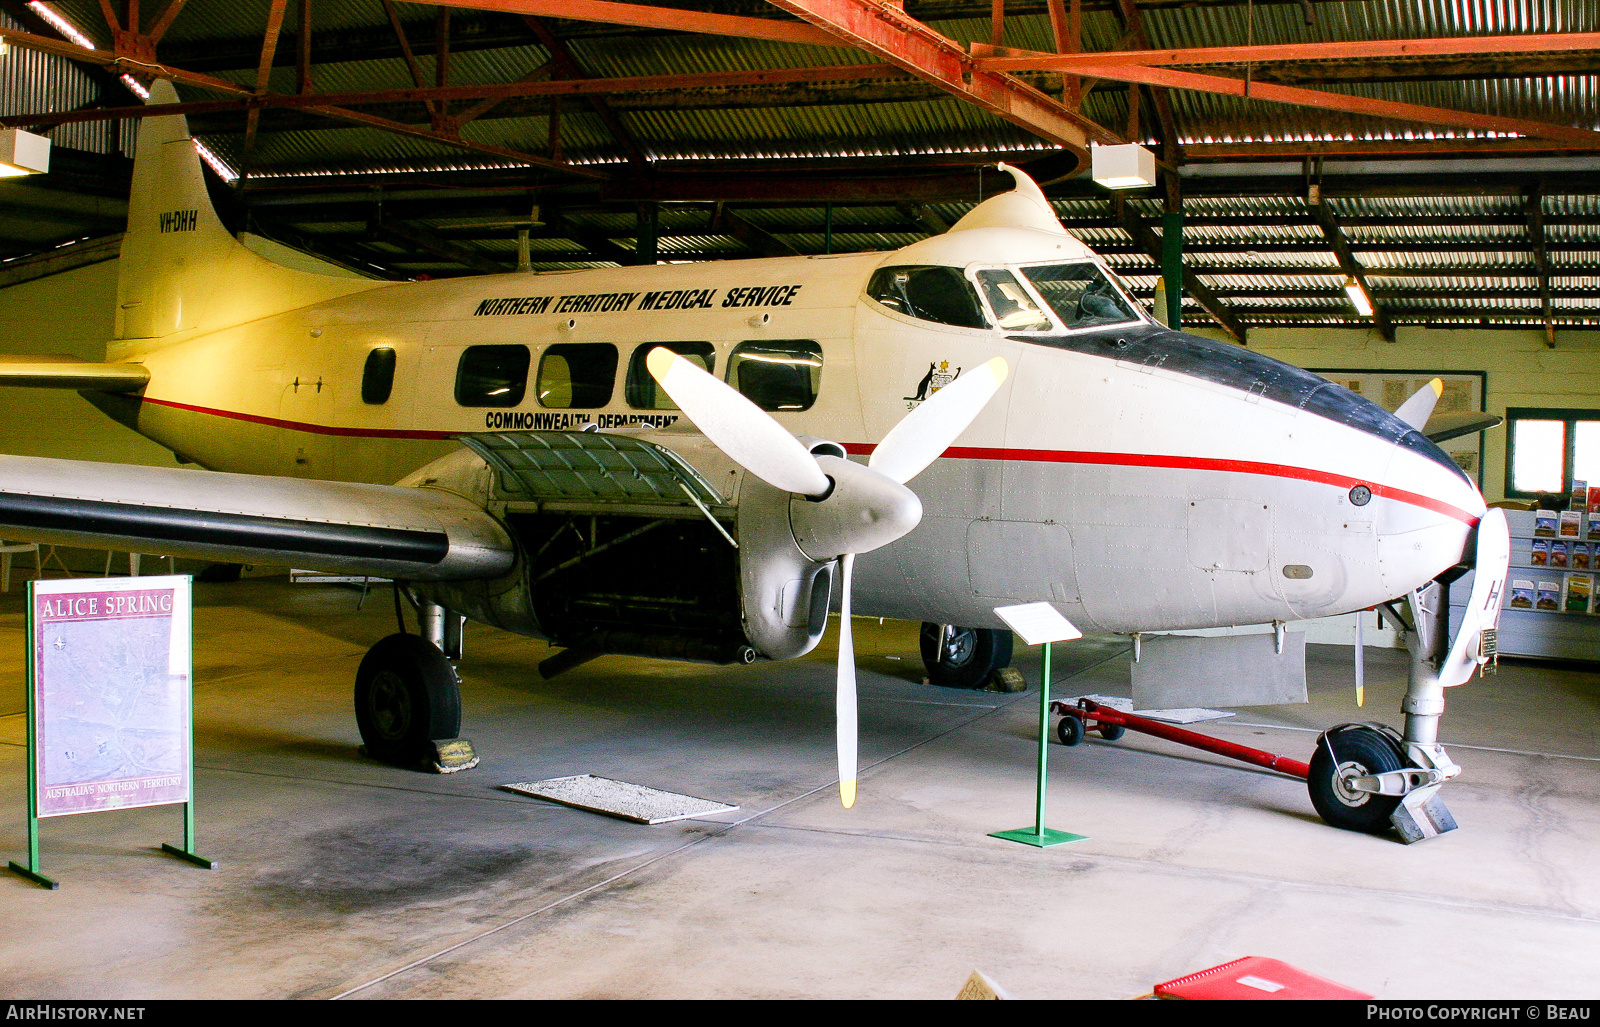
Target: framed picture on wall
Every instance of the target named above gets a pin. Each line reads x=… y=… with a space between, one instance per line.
x=1463 y=390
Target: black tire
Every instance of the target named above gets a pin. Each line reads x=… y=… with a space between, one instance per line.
x=1069 y=730
x=1112 y=732
x=1370 y=753
x=970 y=655
x=407 y=695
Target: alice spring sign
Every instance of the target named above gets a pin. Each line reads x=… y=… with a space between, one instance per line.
x=111 y=694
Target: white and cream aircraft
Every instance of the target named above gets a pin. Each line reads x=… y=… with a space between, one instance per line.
x=668 y=461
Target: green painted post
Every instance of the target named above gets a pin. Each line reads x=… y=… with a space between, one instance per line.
x=187 y=853
x=1172 y=267
x=1038 y=835
x=1044 y=738
x=31 y=871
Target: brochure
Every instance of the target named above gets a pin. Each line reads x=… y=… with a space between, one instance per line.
x=1544 y=523
x=1580 y=556
x=1558 y=554
x=1571 y=523
x=1549 y=596
x=1578 y=495
x=1594 y=499
x=1579 y=587
x=1522 y=594
x=1540 y=556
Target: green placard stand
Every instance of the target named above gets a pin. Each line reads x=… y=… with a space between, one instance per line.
x=1024 y=620
x=32 y=872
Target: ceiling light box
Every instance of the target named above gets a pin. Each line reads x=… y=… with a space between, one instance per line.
x=1129 y=166
x=23 y=153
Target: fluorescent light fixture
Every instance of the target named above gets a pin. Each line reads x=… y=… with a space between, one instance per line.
x=23 y=153
x=1129 y=166
x=1358 y=296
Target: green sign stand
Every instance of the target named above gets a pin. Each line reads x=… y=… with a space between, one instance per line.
x=32 y=871
x=1039 y=835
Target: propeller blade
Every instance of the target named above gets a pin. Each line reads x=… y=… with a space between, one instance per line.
x=929 y=430
x=737 y=426
x=1361 y=662
x=845 y=694
x=1416 y=410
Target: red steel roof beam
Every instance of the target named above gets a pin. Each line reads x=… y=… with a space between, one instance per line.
x=889 y=34
x=668 y=18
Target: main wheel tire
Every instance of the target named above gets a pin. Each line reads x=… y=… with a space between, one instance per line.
x=1069 y=730
x=970 y=655
x=407 y=695
x=1363 y=751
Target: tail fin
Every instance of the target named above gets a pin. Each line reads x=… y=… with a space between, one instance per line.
x=181 y=269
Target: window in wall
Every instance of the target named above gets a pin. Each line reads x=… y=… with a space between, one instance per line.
x=781 y=374
x=1546 y=450
x=641 y=390
x=492 y=376
x=1014 y=310
x=577 y=375
x=1081 y=295
x=377 y=377
x=932 y=293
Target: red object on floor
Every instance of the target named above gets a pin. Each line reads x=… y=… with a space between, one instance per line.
x=1256 y=977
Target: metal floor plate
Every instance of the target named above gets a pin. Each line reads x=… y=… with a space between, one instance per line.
x=638 y=803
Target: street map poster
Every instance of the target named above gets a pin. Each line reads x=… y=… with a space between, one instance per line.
x=111 y=693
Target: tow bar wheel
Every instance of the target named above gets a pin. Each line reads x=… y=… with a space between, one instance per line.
x=1344 y=754
x=1069 y=730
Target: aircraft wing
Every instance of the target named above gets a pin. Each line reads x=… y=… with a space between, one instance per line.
x=413 y=534
x=57 y=372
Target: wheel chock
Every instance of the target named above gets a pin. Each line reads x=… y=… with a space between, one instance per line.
x=452 y=755
x=1006 y=679
x=1422 y=815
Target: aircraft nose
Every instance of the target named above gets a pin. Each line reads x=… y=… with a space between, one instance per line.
x=1425 y=510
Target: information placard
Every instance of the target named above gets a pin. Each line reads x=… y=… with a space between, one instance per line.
x=111 y=694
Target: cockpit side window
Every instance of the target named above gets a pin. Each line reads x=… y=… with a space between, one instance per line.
x=1080 y=295
x=928 y=293
x=1014 y=309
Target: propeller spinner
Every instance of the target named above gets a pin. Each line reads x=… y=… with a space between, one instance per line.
x=848 y=509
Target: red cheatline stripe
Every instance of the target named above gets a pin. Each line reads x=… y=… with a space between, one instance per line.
x=1193 y=463
x=313 y=429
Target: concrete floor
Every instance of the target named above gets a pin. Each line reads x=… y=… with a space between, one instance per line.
x=340 y=876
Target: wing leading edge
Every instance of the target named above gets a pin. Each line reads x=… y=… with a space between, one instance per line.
x=415 y=534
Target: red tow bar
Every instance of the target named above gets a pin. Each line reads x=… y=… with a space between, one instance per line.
x=1092 y=713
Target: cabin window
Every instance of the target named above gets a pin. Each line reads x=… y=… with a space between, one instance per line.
x=780 y=374
x=577 y=375
x=377 y=377
x=492 y=376
x=1014 y=309
x=642 y=391
x=1081 y=295
x=940 y=294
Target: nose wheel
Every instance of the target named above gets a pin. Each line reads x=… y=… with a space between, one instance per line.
x=958 y=657
x=1346 y=759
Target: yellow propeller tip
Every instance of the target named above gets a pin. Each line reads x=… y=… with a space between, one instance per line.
x=660 y=361
x=1437 y=385
x=999 y=368
x=847 y=793
x=1361 y=697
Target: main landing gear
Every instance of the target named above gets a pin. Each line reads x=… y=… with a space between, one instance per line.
x=957 y=657
x=408 y=695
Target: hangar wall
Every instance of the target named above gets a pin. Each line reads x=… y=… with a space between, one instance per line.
x=72 y=313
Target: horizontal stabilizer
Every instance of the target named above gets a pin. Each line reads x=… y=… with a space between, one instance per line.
x=389 y=531
x=50 y=372
x=1453 y=425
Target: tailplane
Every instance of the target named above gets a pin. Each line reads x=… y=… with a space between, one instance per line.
x=181 y=270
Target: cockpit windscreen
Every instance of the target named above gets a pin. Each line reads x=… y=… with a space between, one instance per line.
x=1081 y=295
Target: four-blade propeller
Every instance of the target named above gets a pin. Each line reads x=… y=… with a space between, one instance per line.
x=853 y=509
